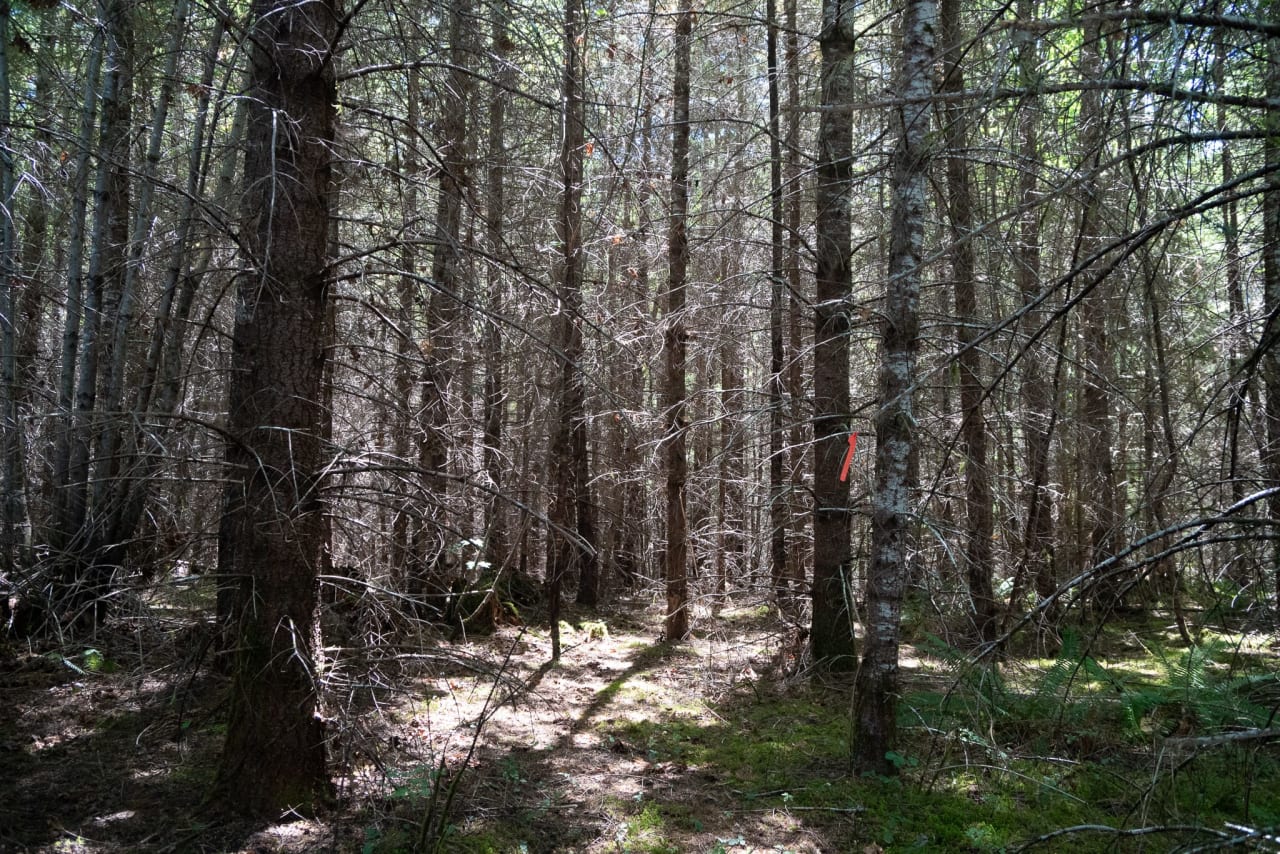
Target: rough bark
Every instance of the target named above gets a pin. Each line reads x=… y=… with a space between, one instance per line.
x=675 y=339
x=273 y=530
x=875 y=696
x=832 y=631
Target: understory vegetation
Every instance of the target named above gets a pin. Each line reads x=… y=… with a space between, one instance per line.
x=639 y=426
x=1120 y=739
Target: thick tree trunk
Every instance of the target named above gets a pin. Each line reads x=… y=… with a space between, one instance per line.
x=875 y=697
x=832 y=632
x=675 y=338
x=273 y=532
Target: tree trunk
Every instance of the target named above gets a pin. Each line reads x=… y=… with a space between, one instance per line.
x=112 y=483
x=779 y=506
x=273 y=533
x=407 y=516
x=1036 y=563
x=443 y=352
x=112 y=282
x=564 y=550
x=1098 y=476
x=11 y=480
x=792 y=178
x=876 y=693
x=28 y=305
x=1271 y=299
x=83 y=581
x=156 y=397
x=1240 y=557
x=61 y=526
x=832 y=633
x=495 y=395
x=980 y=521
x=675 y=338
x=588 y=554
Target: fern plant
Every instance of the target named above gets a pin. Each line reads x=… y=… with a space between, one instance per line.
x=1195 y=698
x=981 y=681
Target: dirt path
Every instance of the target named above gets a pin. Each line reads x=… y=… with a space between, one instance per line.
x=575 y=761
x=606 y=751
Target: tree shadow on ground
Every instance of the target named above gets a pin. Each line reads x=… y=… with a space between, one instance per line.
x=110 y=761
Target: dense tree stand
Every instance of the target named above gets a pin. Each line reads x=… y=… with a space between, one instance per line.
x=722 y=354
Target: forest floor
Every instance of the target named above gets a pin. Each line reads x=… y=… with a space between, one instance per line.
x=724 y=744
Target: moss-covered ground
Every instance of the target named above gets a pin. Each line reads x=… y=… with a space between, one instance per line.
x=729 y=744
x=1123 y=740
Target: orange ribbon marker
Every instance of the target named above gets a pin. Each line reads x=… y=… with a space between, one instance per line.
x=848 y=458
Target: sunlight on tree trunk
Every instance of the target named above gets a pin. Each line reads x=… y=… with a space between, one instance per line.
x=876 y=694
